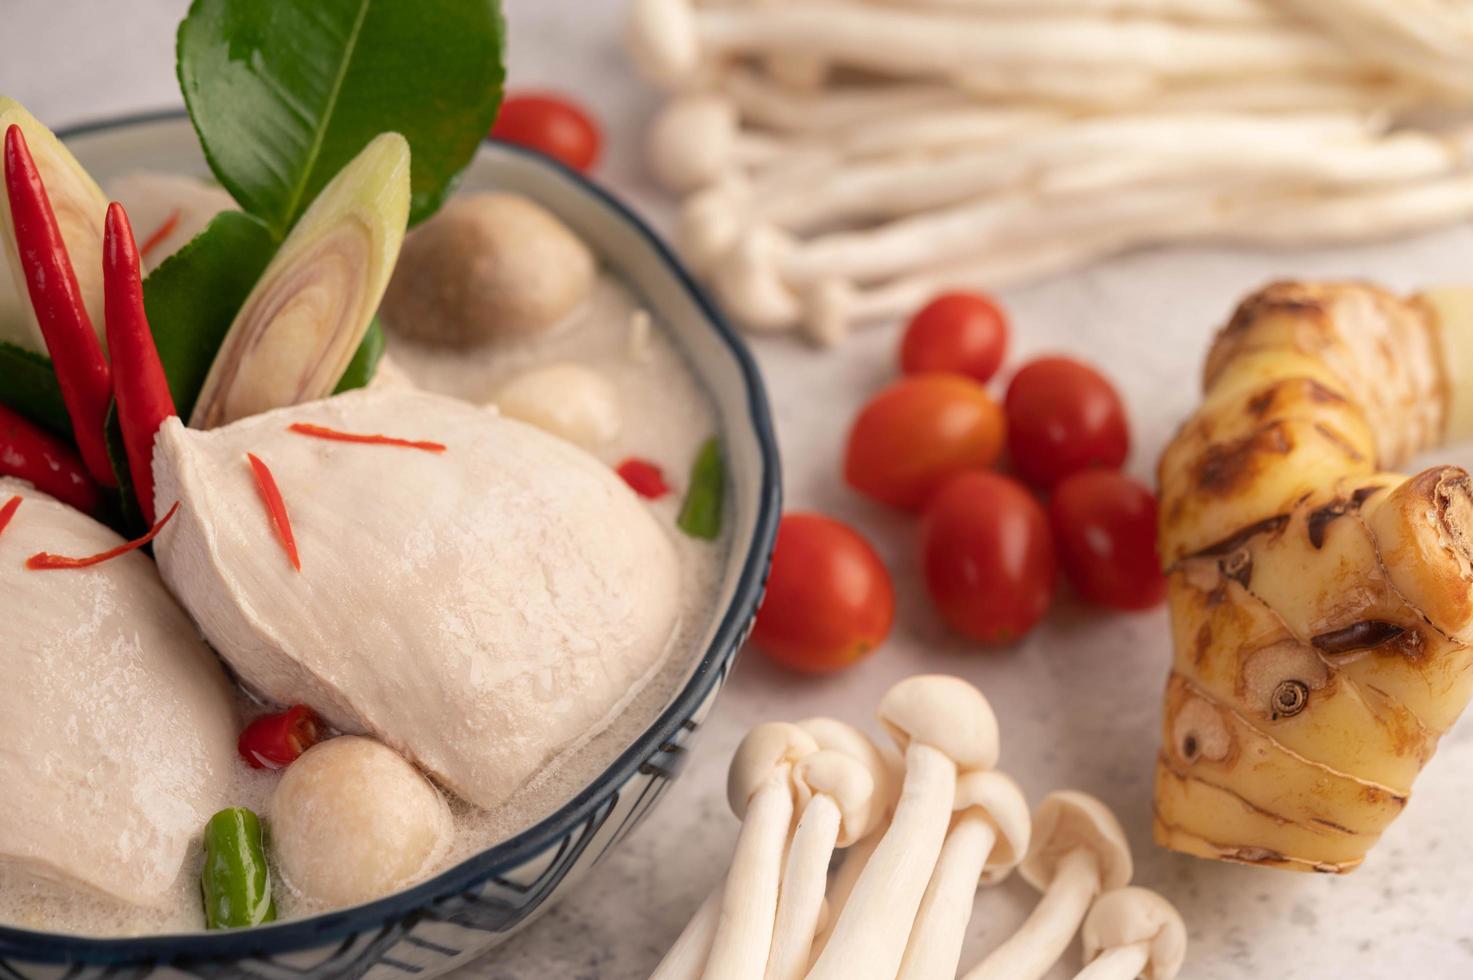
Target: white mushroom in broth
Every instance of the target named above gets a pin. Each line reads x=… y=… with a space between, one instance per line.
x=570 y=401
x=488 y=267
x=352 y=821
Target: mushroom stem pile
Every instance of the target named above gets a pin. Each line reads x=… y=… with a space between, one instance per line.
x=838 y=157
x=920 y=836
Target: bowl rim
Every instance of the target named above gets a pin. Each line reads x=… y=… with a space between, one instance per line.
x=315 y=930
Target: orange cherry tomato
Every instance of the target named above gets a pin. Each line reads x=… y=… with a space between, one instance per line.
x=1105 y=526
x=918 y=433
x=988 y=557
x=551 y=125
x=1063 y=417
x=829 y=599
x=963 y=333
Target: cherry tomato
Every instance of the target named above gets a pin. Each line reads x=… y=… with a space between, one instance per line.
x=918 y=433
x=550 y=125
x=988 y=557
x=961 y=333
x=829 y=598
x=1063 y=416
x=275 y=741
x=1105 y=526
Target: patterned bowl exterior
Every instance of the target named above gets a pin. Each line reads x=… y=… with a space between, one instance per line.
x=445 y=922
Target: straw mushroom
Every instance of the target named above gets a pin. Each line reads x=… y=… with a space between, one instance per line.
x=487 y=267
x=1078 y=849
x=989 y=836
x=569 y=400
x=351 y=821
x=1133 y=932
x=943 y=724
x=759 y=788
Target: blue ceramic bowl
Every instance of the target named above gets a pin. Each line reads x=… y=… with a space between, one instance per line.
x=477 y=904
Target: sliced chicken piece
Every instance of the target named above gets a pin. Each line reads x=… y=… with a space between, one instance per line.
x=483 y=610
x=117 y=725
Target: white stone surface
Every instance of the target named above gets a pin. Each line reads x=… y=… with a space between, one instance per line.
x=1078 y=701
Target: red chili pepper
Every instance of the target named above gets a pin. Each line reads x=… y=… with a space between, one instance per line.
x=43 y=561
x=76 y=354
x=322 y=432
x=139 y=383
x=45 y=462
x=8 y=511
x=276 y=741
x=276 y=507
x=162 y=232
x=644 y=477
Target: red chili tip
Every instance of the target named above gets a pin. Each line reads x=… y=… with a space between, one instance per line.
x=644 y=478
x=276 y=508
x=42 y=561
x=322 y=432
x=8 y=511
x=162 y=232
x=277 y=740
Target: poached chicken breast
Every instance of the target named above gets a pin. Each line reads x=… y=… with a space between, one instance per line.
x=483 y=610
x=117 y=724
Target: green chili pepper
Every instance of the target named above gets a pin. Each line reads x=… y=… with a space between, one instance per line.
x=700 y=514
x=235 y=881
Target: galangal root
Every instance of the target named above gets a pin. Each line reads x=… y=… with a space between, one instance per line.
x=1322 y=607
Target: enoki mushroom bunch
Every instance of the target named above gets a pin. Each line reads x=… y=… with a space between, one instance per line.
x=920 y=831
x=843 y=160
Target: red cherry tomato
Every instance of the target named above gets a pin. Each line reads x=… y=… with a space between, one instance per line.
x=550 y=125
x=919 y=432
x=988 y=557
x=275 y=741
x=961 y=333
x=829 y=598
x=1105 y=526
x=1063 y=417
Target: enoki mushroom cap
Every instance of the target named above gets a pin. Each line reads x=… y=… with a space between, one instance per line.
x=886 y=771
x=692 y=141
x=1127 y=916
x=945 y=713
x=1067 y=820
x=711 y=223
x=663 y=40
x=750 y=284
x=766 y=749
x=1003 y=805
x=846 y=781
x=827 y=307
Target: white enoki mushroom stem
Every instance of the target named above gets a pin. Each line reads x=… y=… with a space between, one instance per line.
x=935 y=945
x=801 y=896
x=1420 y=38
x=750 y=894
x=842 y=886
x=1219 y=11
x=776 y=107
x=686 y=959
x=911 y=43
x=868 y=940
x=1041 y=940
x=1120 y=963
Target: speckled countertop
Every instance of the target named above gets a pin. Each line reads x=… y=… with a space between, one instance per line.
x=1078 y=702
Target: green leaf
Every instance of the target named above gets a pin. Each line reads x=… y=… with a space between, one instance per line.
x=193 y=297
x=365 y=360
x=700 y=513
x=284 y=94
x=28 y=386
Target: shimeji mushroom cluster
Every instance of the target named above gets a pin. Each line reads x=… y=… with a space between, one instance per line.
x=843 y=160
x=920 y=830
